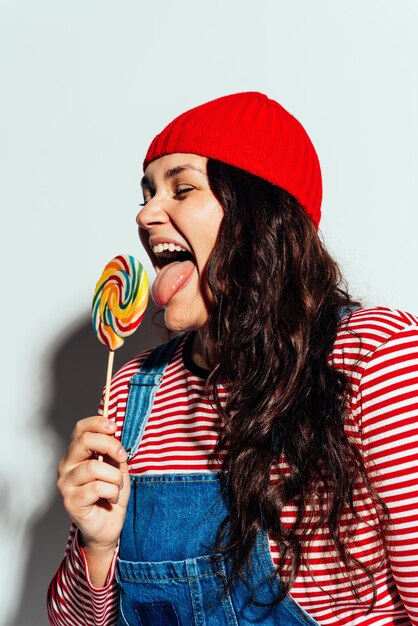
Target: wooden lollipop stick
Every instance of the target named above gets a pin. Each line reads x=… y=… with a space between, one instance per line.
x=108 y=381
x=107 y=390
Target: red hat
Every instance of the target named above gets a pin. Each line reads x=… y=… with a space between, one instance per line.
x=252 y=132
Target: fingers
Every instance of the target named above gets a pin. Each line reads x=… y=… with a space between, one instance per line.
x=89 y=443
x=95 y=493
x=90 y=481
x=79 y=467
x=89 y=494
x=94 y=424
x=92 y=470
x=92 y=435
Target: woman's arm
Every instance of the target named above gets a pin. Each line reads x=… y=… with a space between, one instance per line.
x=72 y=597
x=83 y=590
x=388 y=397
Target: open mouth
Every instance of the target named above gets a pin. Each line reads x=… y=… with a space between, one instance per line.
x=166 y=253
x=174 y=265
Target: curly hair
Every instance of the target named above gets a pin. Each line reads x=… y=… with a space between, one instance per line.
x=277 y=302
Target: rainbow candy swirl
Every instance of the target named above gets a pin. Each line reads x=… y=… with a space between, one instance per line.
x=120 y=300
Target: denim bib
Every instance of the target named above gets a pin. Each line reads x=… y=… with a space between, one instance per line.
x=166 y=571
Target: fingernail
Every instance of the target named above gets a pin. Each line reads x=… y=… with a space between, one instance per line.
x=122 y=454
x=109 y=425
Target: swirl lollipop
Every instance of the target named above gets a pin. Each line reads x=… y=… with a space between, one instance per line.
x=119 y=304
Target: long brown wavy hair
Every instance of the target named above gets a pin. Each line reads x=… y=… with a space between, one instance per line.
x=277 y=302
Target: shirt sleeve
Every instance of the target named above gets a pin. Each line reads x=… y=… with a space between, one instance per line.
x=72 y=599
x=388 y=396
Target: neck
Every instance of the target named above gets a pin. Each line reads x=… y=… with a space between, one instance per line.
x=197 y=352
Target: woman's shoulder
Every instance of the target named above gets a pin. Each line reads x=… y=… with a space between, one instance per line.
x=365 y=330
x=376 y=324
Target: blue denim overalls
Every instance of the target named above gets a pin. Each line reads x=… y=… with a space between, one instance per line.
x=166 y=571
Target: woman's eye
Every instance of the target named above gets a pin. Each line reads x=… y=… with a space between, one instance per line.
x=183 y=189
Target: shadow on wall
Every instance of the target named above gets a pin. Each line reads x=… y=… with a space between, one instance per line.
x=77 y=377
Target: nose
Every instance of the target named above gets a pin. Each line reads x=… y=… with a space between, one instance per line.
x=151 y=214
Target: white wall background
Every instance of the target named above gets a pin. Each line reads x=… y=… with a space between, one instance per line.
x=85 y=85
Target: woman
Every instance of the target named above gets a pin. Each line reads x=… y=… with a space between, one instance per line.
x=272 y=447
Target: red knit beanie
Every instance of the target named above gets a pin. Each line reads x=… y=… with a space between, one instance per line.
x=252 y=132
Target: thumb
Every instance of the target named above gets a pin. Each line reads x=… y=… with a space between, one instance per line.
x=124 y=469
x=126 y=488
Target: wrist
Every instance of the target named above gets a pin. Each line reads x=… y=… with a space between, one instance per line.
x=93 y=547
x=99 y=562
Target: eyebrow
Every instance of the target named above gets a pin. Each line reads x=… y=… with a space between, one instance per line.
x=174 y=171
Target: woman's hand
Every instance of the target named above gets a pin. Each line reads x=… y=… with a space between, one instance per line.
x=95 y=493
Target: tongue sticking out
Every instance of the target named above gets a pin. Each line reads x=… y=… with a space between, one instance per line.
x=170 y=279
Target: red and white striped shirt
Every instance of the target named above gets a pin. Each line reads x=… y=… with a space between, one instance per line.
x=378 y=351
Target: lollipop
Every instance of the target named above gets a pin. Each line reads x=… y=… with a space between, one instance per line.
x=119 y=304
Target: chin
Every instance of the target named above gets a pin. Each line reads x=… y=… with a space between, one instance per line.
x=181 y=321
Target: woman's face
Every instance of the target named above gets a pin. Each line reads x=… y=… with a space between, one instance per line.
x=179 y=224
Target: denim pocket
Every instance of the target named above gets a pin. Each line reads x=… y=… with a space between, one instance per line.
x=175 y=593
x=156 y=614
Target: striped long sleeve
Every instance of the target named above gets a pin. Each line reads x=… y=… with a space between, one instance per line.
x=72 y=599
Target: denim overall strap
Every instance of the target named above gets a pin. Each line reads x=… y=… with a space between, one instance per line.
x=143 y=387
x=347 y=310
